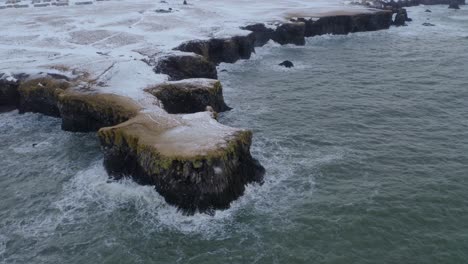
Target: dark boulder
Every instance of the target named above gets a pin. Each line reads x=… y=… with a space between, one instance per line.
x=261 y=33
x=428 y=11
x=400 y=18
x=180 y=67
x=454 y=5
x=287 y=64
x=290 y=33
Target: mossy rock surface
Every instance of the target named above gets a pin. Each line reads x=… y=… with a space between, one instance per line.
x=85 y=112
x=41 y=95
x=196 y=163
x=190 y=96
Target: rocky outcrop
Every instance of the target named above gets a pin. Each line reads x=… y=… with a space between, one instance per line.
x=290 y=33
x=395 y=5
x=87 y=112
x=190 y=96
x=345 y=24
x=9 y=95
x=401 y=17
x=41 y=95
x=195 y=163
x=261 y=33
x=188 y=66
x=219 y=50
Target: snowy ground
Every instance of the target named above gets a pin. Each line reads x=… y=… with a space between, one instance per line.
x=108 y=39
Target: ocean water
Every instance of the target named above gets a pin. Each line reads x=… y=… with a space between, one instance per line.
x=365 y=143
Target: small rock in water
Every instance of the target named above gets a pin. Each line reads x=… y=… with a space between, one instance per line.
x=185 y=2
x=428 y=11
x=428 y=24
x=454 y=4
x=224 y=70
x=34 y=145
x=287 y=64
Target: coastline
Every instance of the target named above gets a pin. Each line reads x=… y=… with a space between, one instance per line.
x=228 y=149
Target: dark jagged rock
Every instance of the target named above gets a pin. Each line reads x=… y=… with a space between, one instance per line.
x=218 y=50
x=189 y=66
x=89 y=112
x=287 y=64
x=454 y=5
x=399 y=4
x=290 y=33
x=9 y=95
x=41 y=95
x=190 y=96
x=400 y=18
x=187 y=173
x=261 y=33
x=428 y=24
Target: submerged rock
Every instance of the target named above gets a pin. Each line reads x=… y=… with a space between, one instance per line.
x=428 y=11
x=428 y=24
x=189 y=66
x=190 y=96
x=219 y=50
x=194 y=162
x=287 y=64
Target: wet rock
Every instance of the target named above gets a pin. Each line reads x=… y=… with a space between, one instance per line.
x=261 y=33
x=400 y=18
x=345 y=24
x=190 y=96
x=287 y=64
x=428 y=11
x=188 y=66
x=290 y=33
x=41 y=95
x=428 y=24
x=195 y=163
x=454 y=5
x=88 y=112
x=219 y=50
x=9 y=95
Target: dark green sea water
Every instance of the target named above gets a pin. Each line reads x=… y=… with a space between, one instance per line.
x=365 y=143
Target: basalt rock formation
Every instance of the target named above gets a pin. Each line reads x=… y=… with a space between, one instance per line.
x=88 y=112
x=186 y=66
x=261 y=33
x=290 y=33
x=194 y=162
x=218 y=50
x=190 y=96
x=41 y=95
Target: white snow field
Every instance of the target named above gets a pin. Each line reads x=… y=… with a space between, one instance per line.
x=108 y=39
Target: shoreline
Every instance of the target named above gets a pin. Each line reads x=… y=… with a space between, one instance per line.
x=193 y=161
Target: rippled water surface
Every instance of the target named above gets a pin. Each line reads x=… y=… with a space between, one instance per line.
x=365 y=143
